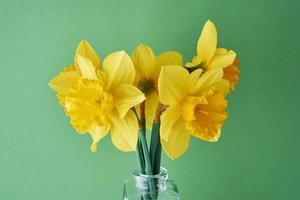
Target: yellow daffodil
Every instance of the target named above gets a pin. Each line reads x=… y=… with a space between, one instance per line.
x=196 y=106
x=148 y=67
x=208 y=56
x=231 y=73
x=99 y=101
x=71 y=74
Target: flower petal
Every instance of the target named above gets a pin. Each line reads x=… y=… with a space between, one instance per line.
x=86 y=68
x=206 y=80
x=144 y=60
x=97 y=132
x=172 y=84
x=193 y=79
x=85 y=49
x=220 y=51
x=127 y=96
x=207 y=42
x=168 y=118
x=178 y=140
x=195 y=61
x=124 y=131
x=223 y=86
x=169 y=58
x=64 y=81
x=119 y=69
x=222 y=60
x=151 y=104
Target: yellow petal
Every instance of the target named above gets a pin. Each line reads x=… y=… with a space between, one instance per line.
x=64 y=81
x=206 y=80
x=168 y=118
x=119 y=69
x=222 y=60
x=172 y=84
x=151 y=104
x=197 y=60
x=193 y=79
x=127 y=96
x=168 y=58
x=207 y=42
x=86 y=68
x=144 y=60
x=178 y=140
x=124 y=131
x=223 y=86
x=220 y=51
x=85 y=49
x=97 y=132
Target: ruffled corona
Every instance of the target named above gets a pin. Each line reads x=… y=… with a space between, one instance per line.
x=88 y=104
x=209 y=116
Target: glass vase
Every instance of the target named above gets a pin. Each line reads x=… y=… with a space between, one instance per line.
x=150 y=187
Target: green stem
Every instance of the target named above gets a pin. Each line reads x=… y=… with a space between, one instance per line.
x=155 y=145
x=155 y=148
x=142 y=134
x=140 y=156
x=143 y=153
x=148 y=166
x=139 y=149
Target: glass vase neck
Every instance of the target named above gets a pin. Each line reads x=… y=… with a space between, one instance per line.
x=159 y=180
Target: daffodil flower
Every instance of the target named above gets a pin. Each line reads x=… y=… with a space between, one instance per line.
x=196 y=106
x=208 y=56
x=100 y=101
x=148 y=67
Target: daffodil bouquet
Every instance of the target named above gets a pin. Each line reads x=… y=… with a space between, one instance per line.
x=127 y=95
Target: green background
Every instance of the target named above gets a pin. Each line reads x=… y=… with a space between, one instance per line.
x=42 y=157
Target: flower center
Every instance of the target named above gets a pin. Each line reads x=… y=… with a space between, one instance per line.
x=191 y=106
x=147 y=86
x=199 y=111
x=106 y=103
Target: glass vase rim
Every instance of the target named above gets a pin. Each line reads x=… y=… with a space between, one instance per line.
x=163 y=174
